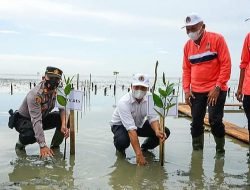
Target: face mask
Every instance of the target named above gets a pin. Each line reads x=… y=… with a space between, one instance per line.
x=194 y=35
x=138 y=94
x=51 y=84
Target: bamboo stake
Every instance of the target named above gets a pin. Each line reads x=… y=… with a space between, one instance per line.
x=65 y=141
x=72 y=132
x=162 y=143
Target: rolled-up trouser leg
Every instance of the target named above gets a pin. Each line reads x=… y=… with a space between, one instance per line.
x=121 y=138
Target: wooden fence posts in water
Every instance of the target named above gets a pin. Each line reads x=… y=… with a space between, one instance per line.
x=11 y=89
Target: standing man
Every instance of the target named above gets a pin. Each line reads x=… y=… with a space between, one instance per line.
x=243 y=91
x=34 y=116
x=206 y=71
x=130 y=120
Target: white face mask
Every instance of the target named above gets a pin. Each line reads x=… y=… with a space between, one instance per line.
x=138 y=94
x=194 y=35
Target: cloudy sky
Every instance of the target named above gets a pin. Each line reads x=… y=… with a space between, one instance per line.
x=99 y=37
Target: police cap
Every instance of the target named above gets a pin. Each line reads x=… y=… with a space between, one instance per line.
x=53 y=72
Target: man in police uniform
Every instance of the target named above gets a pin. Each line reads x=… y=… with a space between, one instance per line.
x=34 y=116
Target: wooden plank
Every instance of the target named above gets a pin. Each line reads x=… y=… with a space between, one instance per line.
x=230 y=128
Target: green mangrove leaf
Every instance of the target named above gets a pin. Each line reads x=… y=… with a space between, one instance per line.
x=71 y=80
x=61 y=100
x=169 y=106
x=64 y=79
x=67 y=81
x=169 y=89
x=67 y=89
x=158 y=101
x=162 y=92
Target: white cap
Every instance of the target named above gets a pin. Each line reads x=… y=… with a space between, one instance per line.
x=192 y=19
x=140 y=80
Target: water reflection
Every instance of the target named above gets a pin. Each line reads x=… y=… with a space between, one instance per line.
x=248 y=176
x=196 y=176
x=129 y=176
x=219 y=172
x=32 y=172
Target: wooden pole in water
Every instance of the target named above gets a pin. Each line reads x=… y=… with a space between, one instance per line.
x=77 y=87
x=162 y=128
x=105 y=91
x=72 y=132
x=11 y=89
x=65 y=142
x=95 y=89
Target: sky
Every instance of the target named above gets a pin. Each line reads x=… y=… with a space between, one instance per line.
x=100 y=37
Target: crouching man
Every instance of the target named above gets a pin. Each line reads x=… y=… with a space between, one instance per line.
x=130 y=120
x=34 y=115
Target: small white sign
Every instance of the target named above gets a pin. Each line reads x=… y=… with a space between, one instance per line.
x=74 y=100
x=173 y=111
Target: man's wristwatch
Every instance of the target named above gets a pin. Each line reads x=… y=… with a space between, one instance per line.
x=217 y=88
x=42 y=145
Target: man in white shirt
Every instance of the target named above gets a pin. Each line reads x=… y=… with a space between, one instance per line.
x=130 y=120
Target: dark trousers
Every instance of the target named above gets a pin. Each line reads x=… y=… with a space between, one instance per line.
x=215 y=113
x=25 y=128
x=122 y=140
x=246 y=106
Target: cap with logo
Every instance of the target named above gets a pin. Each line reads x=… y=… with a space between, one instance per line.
x=140 y=80
x=192 y=19
x=53 y=72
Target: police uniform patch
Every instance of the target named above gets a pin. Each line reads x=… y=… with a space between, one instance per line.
x=38 y=99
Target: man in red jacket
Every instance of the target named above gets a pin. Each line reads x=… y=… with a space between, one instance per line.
x=206 y=71
x=244 y=82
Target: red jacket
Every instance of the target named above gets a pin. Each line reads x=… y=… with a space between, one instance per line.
x=245 y=62
x=206 y=65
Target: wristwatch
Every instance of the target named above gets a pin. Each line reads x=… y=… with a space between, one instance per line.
x=217 y=88
x=42 y=145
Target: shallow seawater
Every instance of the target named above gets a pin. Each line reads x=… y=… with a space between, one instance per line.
x=96 y=165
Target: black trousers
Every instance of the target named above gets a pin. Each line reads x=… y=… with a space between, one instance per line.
x=215 y=113
x=246 y=106
x=25 y=128
x=122 y=140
